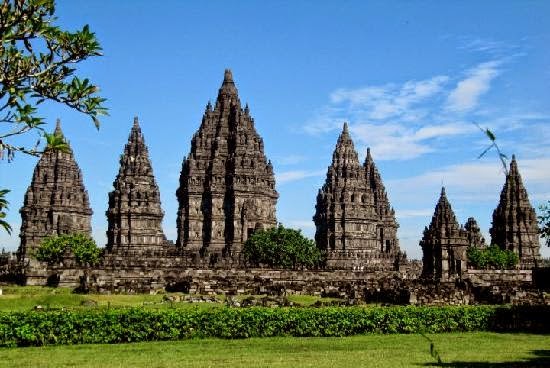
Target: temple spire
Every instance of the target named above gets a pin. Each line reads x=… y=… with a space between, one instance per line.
x=444 y=243
x=514 y=220
x=134 y=215
x=56 y=201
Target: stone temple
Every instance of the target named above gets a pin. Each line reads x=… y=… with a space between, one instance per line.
x=227 y=185
x=444 y=243
x=56 y=202
x=515 y=225
x=354 y=221
x=227 y=191
x=134 y=215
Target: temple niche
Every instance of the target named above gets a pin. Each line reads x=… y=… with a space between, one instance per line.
x=354 y=221
x=134 y=215
x=56 y=201
x=515 y=224
x=227 y=186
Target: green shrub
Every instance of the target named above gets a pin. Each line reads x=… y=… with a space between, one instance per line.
x=492 y=257
x=281 y=247
x=134 y=325
x=84 y=248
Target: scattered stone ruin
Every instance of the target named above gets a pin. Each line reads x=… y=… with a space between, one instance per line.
x=227 y=191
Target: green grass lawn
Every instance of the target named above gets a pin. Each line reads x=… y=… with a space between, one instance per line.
x=456 y=350
x=22 y=298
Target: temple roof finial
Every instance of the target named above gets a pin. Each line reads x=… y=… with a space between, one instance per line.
x=443 y=191
x=58 y=130
x=136 y=121
x=227 y=76
x=345 y=130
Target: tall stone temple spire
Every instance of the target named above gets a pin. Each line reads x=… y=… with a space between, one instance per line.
x=353 y=214
x=515 y=225
x=227 y=186
x=444 y=243
x=56 y=202
x=134 y=215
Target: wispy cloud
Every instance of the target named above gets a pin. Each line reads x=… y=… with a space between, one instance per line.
x=474 y=182
x=477 y=82
x=400 y=142
x=290 y=159
x=389 y=101
x=295 y=175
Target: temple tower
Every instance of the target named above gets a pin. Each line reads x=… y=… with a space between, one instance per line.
x=515 y=224
x=353 y=217
x=444 y=244
x=56 y=202
x=227 y=186
x=134 y=215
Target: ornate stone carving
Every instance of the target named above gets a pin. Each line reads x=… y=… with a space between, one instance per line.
x=56 y=202
x=515 y=224
x=227 y=186
x=353 y=215
x=444 y=244
x=134 y=215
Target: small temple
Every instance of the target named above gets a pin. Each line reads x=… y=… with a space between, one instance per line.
x=354 y=220
x=56 y=201
x=134 y=215
x=515 y=224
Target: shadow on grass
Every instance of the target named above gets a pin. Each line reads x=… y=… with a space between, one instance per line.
x=541 y=358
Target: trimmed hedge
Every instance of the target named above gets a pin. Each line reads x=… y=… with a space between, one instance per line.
x=110 y=326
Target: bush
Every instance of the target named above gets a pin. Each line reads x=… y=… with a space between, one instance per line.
x=281 y=247
x=492 y=257
x=52 y=249
x=110 y=326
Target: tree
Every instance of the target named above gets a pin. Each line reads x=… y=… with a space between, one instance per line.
x=52 y=249
x=492 y=257
x=544 y=222
x=37 y=64
x=3 y=209
x=281 y=247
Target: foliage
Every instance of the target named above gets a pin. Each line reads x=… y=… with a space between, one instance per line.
x=37 y=64
x=492 y=257
x=491 y=136
x=3 y=209
x=84 y=248
x=544 y=222
x=135 y=324
x=281 y=247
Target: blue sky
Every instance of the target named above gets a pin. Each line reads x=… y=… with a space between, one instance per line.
x=409 y=77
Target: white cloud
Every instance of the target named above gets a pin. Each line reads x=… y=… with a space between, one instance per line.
x=468 y=91
x=472 y=182
x=383 y=102
x=295 y=175
x=400 y=214
x=290 y=159
x=400 y=142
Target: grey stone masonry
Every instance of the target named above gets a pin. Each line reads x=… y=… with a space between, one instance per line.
x=56 y=202
x=515 y=225
x=227 y=185
x=353 y=217
x=134 y=215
